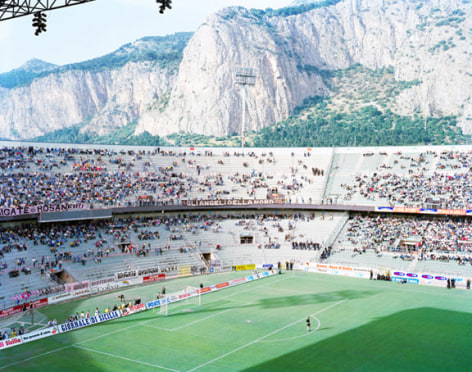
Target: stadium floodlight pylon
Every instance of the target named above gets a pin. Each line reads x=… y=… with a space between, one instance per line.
x=245 y=76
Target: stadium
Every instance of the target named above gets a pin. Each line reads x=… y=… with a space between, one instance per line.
x=247 y=243
x=156 y=216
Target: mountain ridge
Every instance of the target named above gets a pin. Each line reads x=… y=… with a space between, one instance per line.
x=294 y=50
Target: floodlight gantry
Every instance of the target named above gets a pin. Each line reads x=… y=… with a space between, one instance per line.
x=245 y=76
x=10 y=9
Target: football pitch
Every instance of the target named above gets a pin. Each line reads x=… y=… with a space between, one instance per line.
x=357 y=325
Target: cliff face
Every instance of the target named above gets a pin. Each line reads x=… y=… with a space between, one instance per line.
x=421 y=40
x=424 y=41
x=205 y=98
x=101 y=94
x=104 y=100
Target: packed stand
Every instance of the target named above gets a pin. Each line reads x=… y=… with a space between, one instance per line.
x=426 y=238
x=428 y=179
x=106 y=178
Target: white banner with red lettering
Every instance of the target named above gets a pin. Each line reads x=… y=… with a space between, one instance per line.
x=10 y=342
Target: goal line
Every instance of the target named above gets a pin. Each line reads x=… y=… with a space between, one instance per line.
x=188 y=296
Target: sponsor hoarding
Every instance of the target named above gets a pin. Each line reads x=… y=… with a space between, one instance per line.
x=123 y=275
x=133 y=309
x=222 y=285
x=10 y=342
x=237 y=281
x=81 y=323
x=60 y=297
x=225 y=202
x=244 y=267
x=154 y=278
x=42 y=333
x=33 y=209
x=19 y=308
x=101 y=282
x=155 y=303
x=71 y=287
x=450 y=212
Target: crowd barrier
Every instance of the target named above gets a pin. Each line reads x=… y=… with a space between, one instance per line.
x=449 y=212
x=437 y=280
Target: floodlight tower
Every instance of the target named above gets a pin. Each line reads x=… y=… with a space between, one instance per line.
x=245 y=76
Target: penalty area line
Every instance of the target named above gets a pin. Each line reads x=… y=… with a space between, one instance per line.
x=2 y=367
x=263 y=337
x=76 y=344
x=195 y=321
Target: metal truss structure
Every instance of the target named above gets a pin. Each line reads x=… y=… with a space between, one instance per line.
x=10 y=9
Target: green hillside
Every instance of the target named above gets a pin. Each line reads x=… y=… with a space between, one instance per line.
x=360 y=111
x=123 y=136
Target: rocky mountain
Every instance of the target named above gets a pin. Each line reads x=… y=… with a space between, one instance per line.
x=427 y=43
x=26 y=73
x=102 y=94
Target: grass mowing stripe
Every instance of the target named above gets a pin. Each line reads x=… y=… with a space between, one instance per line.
x=247 y=290
x=261 y=338
x=141 y=323
x=299 y=336
x=123 y=329
x=196 y=321
x=74 y=345
x=218 y=299
x=124 y=358
x=191 y=323
x=381 y=326
x=36 y=356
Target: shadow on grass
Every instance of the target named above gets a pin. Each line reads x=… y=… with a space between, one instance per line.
x=424 y=339
x=268 y=303
x=315 y=298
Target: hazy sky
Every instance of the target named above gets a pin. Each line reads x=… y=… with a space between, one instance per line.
x=82 y=32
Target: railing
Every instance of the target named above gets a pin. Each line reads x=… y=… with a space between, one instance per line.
x=336 y=231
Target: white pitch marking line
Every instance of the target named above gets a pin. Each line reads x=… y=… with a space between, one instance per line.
x=110 y=333
x=295 y=337
x=78 y=343
x=261 y=338
x=188 y=324
x=196 y=321
x=248 y=290
x=160 y=328
x=34 y=357
x=124 y=358
x=73 y=345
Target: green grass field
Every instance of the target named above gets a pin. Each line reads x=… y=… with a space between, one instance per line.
x=358 y=325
